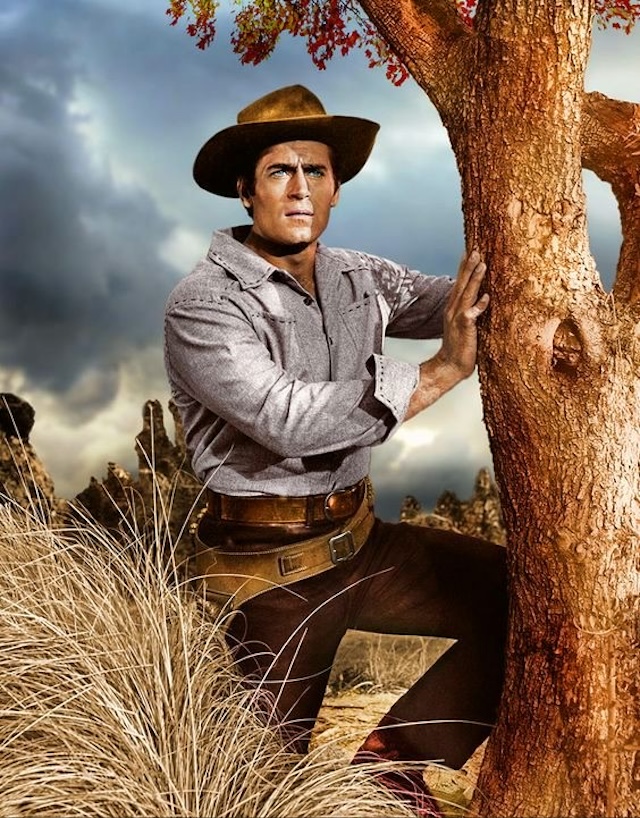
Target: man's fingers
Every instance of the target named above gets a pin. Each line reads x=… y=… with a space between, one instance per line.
x=474 y=312
x=471 y=281
x=471 y=258
x=469 y=264
x=471 y=268
x=464 y=293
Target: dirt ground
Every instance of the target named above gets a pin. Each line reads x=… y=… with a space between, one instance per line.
x=370 y=673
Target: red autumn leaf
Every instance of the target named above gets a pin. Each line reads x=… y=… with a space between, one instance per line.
x=330 y=27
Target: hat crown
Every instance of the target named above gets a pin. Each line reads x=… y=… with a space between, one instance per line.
x=291 y=102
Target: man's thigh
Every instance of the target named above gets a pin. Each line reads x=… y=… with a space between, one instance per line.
x=430 y=582
x=285 y=641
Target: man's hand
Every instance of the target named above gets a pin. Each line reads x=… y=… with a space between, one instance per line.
x=460 y=337
x=456 y=358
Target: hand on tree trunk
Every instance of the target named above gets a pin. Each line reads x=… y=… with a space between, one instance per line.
x=456 y=358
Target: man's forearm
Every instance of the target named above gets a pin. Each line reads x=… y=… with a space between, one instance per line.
x=436 y=377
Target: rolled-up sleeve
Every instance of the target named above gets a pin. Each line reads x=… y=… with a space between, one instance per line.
x=215 y=356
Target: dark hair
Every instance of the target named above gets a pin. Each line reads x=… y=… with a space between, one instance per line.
x=247 y=186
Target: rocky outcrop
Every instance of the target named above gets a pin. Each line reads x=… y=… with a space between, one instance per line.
x=479 y=516
x=162 y=501
x=16 y=416
x=23 y=477
x=155 y=506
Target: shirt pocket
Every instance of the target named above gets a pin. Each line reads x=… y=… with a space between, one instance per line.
x=278 y=334
x=361 y=331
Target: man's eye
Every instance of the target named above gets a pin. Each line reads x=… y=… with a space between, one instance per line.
x=278 y=172
x=315 y=173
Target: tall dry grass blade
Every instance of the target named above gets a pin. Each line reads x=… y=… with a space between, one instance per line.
x=118 y=697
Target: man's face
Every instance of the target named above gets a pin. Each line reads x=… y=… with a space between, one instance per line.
x=294 y=192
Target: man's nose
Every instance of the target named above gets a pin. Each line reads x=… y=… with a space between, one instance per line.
x=299 y=185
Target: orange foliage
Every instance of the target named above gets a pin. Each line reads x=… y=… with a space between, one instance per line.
x=201 y=18
x=330 y=27
x=620 y=14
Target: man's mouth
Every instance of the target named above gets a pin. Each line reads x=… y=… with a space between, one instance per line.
x=295 y=213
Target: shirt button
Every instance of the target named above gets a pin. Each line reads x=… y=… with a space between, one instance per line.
x=308 y=300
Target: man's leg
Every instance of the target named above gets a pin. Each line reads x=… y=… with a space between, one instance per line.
x=284 y=641
x=431 y=582
x=405 y=580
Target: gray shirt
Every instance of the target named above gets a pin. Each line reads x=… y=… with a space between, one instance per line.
x=283 y=393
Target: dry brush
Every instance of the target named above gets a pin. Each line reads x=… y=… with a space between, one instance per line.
x=118 y=697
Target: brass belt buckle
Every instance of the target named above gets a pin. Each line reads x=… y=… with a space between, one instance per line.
x=337 y=494
x=342 y=547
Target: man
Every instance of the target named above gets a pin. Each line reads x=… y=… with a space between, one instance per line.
x=274 y=355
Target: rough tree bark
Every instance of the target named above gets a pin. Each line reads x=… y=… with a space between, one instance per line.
x=559 y=367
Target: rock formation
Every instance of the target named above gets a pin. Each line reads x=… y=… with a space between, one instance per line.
x=479 y=516
x=161 y=503
x=23 y=477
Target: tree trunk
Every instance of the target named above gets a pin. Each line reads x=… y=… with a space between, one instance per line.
x=559 y=374
x=559 y=366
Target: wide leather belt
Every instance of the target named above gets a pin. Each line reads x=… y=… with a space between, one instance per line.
x=233 y=577
x=334 y=507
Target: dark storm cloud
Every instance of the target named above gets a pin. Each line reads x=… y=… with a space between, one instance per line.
x=81 y=281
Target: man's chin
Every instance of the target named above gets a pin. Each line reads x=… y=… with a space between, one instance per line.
x=295 y=237
x=297 y=242
x=285 y=243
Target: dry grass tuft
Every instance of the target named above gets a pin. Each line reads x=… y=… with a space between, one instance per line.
x=117 y=696
x=383 y=663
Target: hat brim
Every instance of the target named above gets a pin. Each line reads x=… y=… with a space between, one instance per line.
x=228 y=154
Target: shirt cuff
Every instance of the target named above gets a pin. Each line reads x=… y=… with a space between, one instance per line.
x=395 y=382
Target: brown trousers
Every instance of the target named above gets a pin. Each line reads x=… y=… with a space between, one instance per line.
x=405 y=580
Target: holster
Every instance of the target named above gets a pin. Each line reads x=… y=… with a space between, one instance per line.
x=233 y=577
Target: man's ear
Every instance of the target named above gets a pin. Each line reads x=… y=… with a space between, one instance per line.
x=241 y=187
x=336 y=195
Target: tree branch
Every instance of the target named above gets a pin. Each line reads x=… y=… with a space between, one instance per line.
x=422 y=33
x=611 y=149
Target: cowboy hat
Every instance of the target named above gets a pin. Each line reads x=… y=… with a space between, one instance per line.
x=284 y=115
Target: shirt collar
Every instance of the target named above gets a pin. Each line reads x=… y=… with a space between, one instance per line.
x=229 y=252
x=251 y=270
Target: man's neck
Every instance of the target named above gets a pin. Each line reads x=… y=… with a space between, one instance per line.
x=298 y=260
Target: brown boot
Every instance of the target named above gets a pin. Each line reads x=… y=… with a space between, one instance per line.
x=407 y=785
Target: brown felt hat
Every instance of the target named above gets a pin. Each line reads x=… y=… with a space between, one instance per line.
x=285 y=115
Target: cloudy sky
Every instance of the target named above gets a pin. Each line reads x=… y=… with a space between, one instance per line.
x=103 y=108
